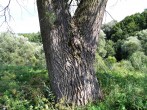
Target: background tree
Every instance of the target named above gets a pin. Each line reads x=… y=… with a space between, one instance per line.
x=107 y=28
x=139 y=61
x=142 y=36
x=129 y=46
x=70 y=44
x=119 y=32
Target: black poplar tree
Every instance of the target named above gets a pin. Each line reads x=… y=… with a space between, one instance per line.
x=70 y=45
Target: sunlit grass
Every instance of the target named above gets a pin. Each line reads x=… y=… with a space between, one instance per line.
x=26 y=88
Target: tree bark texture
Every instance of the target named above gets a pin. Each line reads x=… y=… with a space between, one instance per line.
x=70 y=44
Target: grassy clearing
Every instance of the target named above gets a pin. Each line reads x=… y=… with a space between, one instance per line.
x=25 y=88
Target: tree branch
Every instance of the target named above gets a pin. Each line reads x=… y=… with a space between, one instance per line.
x=5 y=13
x=88 y=17
x=109 y=14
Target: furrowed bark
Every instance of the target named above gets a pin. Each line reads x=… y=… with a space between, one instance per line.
x=89 y=16
x=70 y=48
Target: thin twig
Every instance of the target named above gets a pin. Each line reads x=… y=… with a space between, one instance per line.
x=109 y=14
x=6 y=11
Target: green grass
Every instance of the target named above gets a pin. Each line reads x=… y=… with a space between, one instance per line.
x=123 y=90
x=25 y=88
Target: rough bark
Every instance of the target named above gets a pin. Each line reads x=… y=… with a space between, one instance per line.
x=70 y=44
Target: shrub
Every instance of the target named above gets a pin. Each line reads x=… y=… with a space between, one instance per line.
x=100 y=64
x=142 y=36
x=101 y=44
x=33 y=37
x=131 y=45
x=139 y=61
x=110 y=61
x=17 y=50
x=110 y=48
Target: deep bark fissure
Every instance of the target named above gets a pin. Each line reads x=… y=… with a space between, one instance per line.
x=70 y=48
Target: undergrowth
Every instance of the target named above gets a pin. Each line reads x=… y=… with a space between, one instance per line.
x=26 y=88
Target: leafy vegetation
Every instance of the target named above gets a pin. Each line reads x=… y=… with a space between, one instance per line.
x=33 y=37
x=121 y=67
x=119 y=32
x=26 y=88
x=18 y=50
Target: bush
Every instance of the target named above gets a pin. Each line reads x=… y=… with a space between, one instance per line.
x=142 y=36
x=100 y=64
x=139 y=61
x=16 y=50
x=110 y=48
x=131 y=45
x=101 y=44
x=33 y=37
x=110 y=61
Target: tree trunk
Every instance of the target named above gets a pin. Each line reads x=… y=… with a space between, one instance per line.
x=70 y=44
